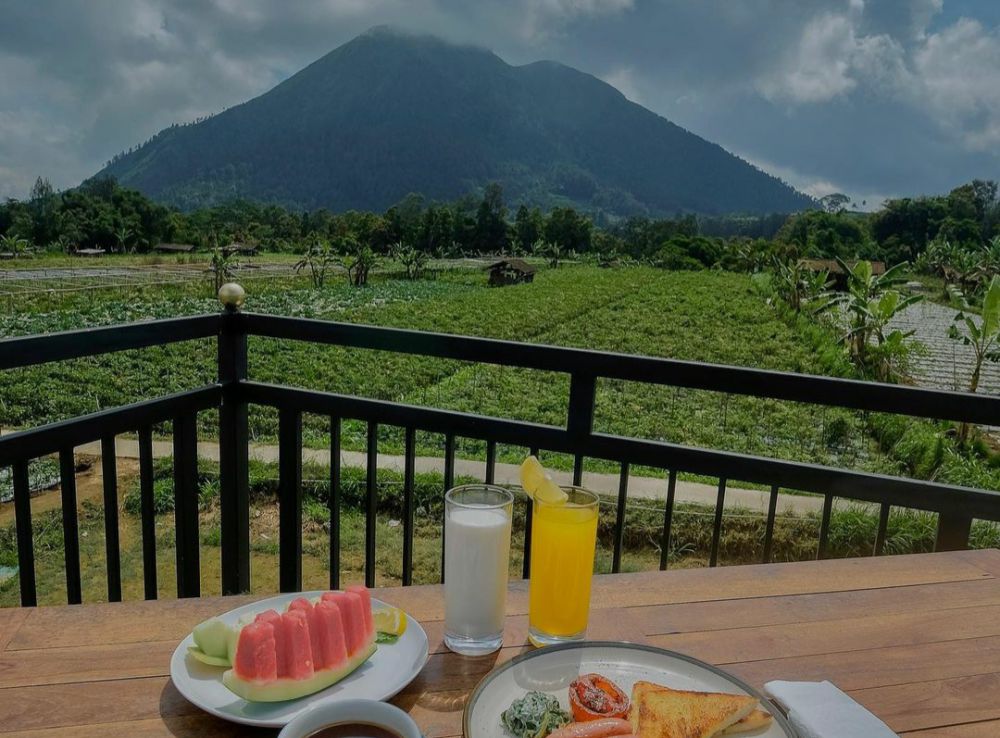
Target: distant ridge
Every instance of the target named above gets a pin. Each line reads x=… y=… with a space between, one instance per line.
x=390 y=113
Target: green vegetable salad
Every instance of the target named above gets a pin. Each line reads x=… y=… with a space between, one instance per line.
x=534 y=716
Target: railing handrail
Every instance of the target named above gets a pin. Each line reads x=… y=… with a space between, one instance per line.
x=803 y=476
x=234 y=393
x=777 y=385
x=23 y=351
x=855 y=394
x=53 y=437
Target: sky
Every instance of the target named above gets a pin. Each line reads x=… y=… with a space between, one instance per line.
x=874 y=98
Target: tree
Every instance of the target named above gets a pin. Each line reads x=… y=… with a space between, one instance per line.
x=835 y=202
x=982 y=337
x=317 y=259
x=528 y=226
x=568 y=230
x=13 y=244
x=223 y=267
x=359 y=264
x=868 y=306
x=413 y=260
x=491 y=221
x=551 y=251
x=826 y=235
x=122 y=236
x=797 y=285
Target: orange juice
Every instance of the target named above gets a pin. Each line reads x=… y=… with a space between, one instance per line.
x=563 y=541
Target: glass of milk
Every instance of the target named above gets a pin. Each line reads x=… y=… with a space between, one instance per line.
x=476 y=561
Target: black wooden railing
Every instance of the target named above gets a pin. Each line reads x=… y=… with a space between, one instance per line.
x=234 y=392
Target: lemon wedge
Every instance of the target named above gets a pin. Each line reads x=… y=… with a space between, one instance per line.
x=537 y=483
x=390 y=620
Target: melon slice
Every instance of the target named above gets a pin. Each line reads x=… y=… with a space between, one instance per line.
x=286 y=656
x=351 y=608
x=215 y=642
x=366 y=605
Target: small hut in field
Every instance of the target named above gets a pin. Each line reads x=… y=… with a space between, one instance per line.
x=838 y=275
x=241 y=249
x=173 y=248
x=510 y=271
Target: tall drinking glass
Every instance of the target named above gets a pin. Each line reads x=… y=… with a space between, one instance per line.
x=476 y=562
x=563 y=542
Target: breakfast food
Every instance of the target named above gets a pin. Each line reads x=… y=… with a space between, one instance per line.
x=756 y=720
x=599 y=705
x=603 y=728
x=592 y=697
x=276 y=656
x=662 y=712
x=535 y=715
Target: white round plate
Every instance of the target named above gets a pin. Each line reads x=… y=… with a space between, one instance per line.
x=551 y=669
x=391 y=667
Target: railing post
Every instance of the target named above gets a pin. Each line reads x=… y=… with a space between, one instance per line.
x=580 y=420
x=953 y=532
x=289 y=500
x=234 y=450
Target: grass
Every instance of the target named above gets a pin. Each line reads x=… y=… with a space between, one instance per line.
x=698 y=316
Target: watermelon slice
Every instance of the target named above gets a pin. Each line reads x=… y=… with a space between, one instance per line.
x=308 y=648
x=366 y=605
x=351 y=608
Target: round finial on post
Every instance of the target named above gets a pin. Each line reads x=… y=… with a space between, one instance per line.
x=232 y=296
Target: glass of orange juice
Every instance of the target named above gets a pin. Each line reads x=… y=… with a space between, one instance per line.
x=563 y=542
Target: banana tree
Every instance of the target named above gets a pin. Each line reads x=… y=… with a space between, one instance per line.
x=798 y=285
x=14 y=244
x=868 y=306
x=982 y=337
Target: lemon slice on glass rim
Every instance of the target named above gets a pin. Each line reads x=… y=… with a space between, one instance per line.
x=538 y=484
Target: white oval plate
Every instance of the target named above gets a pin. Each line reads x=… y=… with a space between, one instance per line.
x=551 y=669
x=390 y=668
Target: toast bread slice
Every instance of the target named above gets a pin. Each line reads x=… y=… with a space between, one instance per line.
x=660 y=712
x=756 y=720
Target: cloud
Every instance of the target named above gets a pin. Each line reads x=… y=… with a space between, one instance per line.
x=868 y=95
x=958 y=78
x=623 y=79
x=542 y=17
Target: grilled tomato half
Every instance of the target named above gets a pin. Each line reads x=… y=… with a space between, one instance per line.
x=593 y=696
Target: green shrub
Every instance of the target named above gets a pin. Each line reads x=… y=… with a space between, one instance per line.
x=163 y=497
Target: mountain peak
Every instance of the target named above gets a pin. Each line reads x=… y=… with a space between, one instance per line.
x=395 y=111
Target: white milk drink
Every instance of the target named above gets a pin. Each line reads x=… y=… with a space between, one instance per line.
x=477 y=557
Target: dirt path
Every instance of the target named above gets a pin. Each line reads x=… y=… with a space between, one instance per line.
x=639 y=488
x=89 y=486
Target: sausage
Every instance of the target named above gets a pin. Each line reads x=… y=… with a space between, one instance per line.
x=602 y=728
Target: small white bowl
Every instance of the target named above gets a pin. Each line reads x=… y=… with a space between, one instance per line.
x=327 y=714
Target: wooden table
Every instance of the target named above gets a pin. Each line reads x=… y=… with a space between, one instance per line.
x=916 y=639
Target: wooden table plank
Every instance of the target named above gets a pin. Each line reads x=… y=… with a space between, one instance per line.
x=916 y=638
x=11 y=620
x=881 y=666
x=825 y=606
x=832 y=636
x=173 y=619
x=988 y=729
x=934 y=703
x=201 y=724
x=89 y=703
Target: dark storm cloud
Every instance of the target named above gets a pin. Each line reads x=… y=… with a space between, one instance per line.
x=872 y=97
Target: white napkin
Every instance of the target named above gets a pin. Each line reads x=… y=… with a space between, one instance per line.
x=820 y=710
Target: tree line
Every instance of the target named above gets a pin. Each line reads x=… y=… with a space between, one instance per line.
x=102 y=214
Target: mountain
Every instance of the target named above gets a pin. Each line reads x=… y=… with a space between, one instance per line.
x=390 y=113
